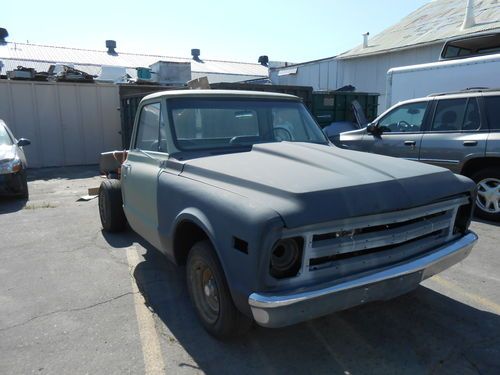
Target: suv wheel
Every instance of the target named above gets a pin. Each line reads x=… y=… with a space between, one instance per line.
x=210 y=294
x=488 y=193
x=111 y=206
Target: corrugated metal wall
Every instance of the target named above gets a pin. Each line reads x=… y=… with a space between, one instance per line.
x=367 y=74
x=321 y=75
x=67 y=123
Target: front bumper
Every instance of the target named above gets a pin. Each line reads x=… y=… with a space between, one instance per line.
x=279 y=310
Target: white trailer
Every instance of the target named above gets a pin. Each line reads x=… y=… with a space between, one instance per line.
x=415 y=81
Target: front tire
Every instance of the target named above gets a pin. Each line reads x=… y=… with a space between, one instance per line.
x=488 y=194
x=24 y=194
x=210 y=294
x=111 y=206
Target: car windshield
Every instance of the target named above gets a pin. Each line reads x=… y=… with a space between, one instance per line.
x=207 y=123
x=4 y=136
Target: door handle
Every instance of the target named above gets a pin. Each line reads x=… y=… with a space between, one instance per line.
x=470 y=143
x=410 y=143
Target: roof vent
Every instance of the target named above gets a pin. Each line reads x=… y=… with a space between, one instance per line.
x=195 y=52
x=469 y=20
x=263 y=60
x=365 y=39
x=111 y=45
x=3 y=34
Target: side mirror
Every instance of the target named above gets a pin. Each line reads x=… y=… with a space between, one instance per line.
x=23 y=142
x=371 y=128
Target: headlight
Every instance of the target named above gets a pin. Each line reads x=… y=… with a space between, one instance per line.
x=10 y=165
x=286 y=257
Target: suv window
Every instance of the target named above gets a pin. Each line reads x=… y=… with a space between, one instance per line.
x=405 y=118
x=456 y=115
x=493 y=111
x=149 y=128
x=471 y=119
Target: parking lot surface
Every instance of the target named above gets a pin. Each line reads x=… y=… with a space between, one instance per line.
x=74 y=300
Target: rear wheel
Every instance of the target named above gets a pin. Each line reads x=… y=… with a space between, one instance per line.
x=111 y=206
x=210 y=294
x=488 y=193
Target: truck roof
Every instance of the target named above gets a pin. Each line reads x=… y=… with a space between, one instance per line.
x=219 y=93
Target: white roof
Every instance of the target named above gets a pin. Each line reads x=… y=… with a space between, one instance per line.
x=432 y=23
x=41 y=56
x=219 y=93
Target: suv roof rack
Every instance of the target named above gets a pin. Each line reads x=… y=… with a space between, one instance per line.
x=465 y=91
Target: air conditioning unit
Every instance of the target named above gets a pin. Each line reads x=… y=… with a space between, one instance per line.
x=171 y=73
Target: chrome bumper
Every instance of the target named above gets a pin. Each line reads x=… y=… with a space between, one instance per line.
x=278 y=310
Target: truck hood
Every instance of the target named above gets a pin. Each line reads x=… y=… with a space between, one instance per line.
x=308 y=183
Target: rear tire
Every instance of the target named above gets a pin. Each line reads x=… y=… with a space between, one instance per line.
x=210 y=294
x=488 y=200
x=111 y=206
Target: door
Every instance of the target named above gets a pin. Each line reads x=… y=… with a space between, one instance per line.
x=399 y=132
x=455 y=134
x=140 y=173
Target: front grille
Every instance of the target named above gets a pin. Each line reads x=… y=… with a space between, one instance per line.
x=355 y=245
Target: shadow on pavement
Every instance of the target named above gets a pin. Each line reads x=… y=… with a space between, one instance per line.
x=489 y=222
x=11 y=204
x=422 y=332
x=67 y=173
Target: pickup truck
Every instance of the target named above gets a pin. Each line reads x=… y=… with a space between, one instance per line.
x=273 y=223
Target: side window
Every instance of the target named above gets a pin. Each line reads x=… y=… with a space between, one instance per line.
x=405 y=118
x=148 y=131
x=493 y=111
x=449 y=115
x=471 y=120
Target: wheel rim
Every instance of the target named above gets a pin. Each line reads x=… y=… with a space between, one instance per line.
x=206 y=292
x=488 y=195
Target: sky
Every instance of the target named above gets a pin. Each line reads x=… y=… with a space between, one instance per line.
x=291 y=30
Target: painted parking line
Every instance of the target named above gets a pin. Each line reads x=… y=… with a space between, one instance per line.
x=151 y=349
x=485 y=302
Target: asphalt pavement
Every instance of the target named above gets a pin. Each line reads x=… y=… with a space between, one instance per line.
x=74 y=300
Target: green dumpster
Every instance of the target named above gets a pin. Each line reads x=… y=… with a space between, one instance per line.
x=334 y=106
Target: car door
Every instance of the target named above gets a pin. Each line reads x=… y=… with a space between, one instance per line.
x=455 y=134
x=399 y=132
x=140 y=172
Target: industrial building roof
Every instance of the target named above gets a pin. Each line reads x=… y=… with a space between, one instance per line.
x=432 y=23
x=41 y=56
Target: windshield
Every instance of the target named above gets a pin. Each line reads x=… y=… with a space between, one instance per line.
x=4 y=136
x=207 y=123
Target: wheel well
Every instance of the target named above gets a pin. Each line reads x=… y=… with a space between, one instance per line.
x=474 y=165
x=186 y=235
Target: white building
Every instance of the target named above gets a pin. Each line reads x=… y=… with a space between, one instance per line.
x=40 y=57
x=417 y=38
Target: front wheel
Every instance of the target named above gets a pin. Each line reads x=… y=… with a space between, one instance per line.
x=210 y=294
x=488 y=193
x=24 y=194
